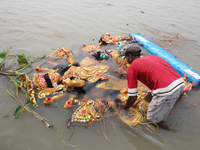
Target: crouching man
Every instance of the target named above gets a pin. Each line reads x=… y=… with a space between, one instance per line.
x=158 y=75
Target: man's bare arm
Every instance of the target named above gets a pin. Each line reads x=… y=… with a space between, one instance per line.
x=131 y=100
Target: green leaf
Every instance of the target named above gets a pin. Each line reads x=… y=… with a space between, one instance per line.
x=3 y=53
x=28 y=103
x=19 y=112
x=21 y=55
x=110 y=84
x=21 y=58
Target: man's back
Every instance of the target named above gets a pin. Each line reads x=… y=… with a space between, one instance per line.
x=153 y=71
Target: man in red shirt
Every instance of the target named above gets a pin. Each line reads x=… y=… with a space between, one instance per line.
x=158 y=75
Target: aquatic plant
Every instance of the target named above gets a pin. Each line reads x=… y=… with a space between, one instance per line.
x=21 y=81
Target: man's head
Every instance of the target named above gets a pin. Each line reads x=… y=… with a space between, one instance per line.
x=132 y=53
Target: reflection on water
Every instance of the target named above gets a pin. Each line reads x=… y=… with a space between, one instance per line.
x=36 y=27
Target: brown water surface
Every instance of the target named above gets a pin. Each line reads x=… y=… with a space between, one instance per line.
x=34 y=27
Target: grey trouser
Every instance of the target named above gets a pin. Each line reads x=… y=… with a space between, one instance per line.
x=160 y=106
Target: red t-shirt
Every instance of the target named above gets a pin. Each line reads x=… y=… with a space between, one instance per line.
x=152 y=71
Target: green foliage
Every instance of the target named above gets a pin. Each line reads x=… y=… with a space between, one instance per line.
x=18 y=112
x=3 y=53
x=110 y=84
x=28 y=103
x=21 y=58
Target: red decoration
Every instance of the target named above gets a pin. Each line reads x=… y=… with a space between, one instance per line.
x=84 y=111
x=83 y=44
x=49 y=99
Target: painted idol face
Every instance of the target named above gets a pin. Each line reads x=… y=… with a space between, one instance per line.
x=54 y=77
